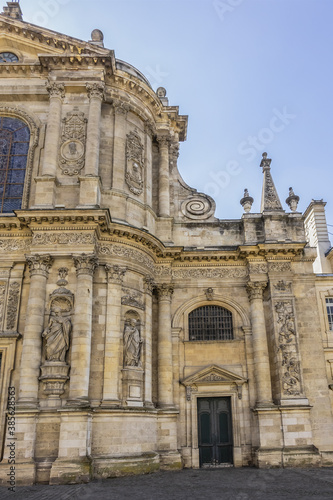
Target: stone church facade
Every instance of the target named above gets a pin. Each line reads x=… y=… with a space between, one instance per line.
x=137 y=331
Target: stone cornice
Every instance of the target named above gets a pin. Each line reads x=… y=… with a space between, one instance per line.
x=43 y=37
x=84 y=61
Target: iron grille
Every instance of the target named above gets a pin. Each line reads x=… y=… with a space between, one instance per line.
x=210 y=323
x=329 y=307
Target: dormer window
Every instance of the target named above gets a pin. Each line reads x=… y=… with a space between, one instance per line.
x=6 y=57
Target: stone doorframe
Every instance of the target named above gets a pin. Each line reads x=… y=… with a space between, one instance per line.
x=214 y=382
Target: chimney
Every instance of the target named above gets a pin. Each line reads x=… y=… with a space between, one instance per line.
x=13 y=10
x=317 y=235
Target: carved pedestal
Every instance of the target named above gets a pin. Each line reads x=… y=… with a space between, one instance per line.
x=54 y=375
x=133 y=386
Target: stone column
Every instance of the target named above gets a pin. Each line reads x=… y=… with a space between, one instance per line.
x=81 y=343
x=260 y=347
x=96 y=95
x=164 y=178
x=46 y=183
x=90 y=189
x=119 y=144
x=149 y=286
x=113 y=336
x=164 y=348
x=39 y=266
x=50 y=162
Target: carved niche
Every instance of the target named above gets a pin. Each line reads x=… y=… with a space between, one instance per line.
x=73 y=143
x=54 y=371
x=134 y=175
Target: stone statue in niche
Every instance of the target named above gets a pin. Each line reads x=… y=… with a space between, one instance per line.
x=57 y=333
x=132 y=343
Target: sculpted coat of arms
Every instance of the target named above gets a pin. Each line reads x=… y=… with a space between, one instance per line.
x=73 y=143
x=134 y=163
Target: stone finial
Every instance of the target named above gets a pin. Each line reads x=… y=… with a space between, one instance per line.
x=247 y=201
x=270 y=200
x=13 y=10
x=97 y=38
x=292 y=200
x=161 y=94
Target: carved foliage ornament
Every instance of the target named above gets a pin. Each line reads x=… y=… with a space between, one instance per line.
x=39 y=264
x=55 y=89
x=134 y=175
x=85 y=264
x=115 y=274
x=73 y=143
x=63 y=238
x=2 y=301
x=255 y=289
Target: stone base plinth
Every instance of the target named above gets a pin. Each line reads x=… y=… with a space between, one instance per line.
x=307 y=456
x=133 y=386
x=171 y=460
x=25 y=473
x=267 y=458
x=70 y=471
x=146 y=463
x=90 y=192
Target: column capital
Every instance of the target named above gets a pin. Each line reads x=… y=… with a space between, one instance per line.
x=85 y=264
x=120 y=107
x=150 y=128
x=255 y=289
x=163 y=141
x=55 y=89
x=95 y=90
x=149 y=284
x=164 y=291
x=39 y=264
x=115 y=274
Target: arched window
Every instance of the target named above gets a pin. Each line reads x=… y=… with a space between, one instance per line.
x=14 y=147
x=210 y=323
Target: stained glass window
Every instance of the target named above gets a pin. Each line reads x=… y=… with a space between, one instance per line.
x=14 y=146
x=210 y=323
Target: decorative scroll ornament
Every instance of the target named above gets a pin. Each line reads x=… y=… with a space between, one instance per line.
x=288 y=347
x=132 y=298
x=132 y=343
x=72 y=148
x=135 y=163
x=198 y=207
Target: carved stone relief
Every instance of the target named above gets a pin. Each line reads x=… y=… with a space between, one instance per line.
x=63 y=239
x=279 y=267
x=73 y=143
x=13 y=245
x=282 y=286
x=132 y=298
x=12 y=305
x=134 y=175
x=291 y=383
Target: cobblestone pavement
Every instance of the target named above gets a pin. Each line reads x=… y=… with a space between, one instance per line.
x=224 y=484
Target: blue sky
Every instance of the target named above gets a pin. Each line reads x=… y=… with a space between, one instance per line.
x=253 y=76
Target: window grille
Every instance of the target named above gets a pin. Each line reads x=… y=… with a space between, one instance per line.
x=14 y=146
x=210 y=323
x=329 y=307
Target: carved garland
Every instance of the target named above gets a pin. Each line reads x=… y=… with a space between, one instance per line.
x=12 y=305
x=134 y=163
x=34 y=137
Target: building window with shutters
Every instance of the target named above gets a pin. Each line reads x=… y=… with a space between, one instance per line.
x=210 y=322
x=329 y=308
x=14 y=148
